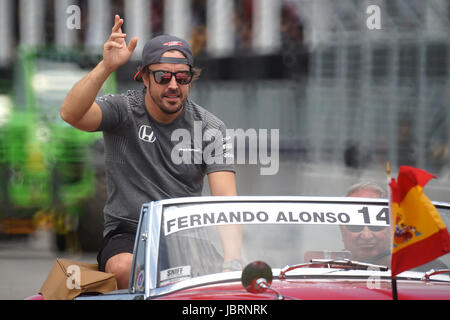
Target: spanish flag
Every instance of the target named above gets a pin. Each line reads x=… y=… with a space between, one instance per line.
x=419 y=233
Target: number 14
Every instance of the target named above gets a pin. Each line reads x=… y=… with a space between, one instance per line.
x=383 y=215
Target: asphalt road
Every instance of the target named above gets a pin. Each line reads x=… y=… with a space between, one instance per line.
x=26 y=261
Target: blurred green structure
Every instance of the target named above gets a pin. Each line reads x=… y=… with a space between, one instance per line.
x=48 y=173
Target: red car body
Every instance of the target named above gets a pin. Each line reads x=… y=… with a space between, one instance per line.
x=312 y=290
x=316 y=289
x=318 y=271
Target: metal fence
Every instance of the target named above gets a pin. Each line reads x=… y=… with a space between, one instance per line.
x=373 y=93
x=370 y=96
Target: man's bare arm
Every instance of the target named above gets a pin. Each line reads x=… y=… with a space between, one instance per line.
x=223 y=183
x=79 y=108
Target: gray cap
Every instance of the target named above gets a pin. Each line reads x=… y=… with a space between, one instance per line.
x=155 y=48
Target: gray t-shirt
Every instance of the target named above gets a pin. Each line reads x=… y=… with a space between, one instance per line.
x=146 y=160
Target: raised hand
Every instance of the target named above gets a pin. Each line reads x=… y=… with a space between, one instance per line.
x=115 y=50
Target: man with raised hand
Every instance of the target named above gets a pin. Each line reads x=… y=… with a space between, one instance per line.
x=137 y=129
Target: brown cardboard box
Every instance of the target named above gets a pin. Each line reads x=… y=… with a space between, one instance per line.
x=68 y=279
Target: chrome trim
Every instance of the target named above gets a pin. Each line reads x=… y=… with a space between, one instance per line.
x=148 y=267
x=262 y=283
x=433 y=272
x=198 y=281
x=304 y=273
x=343 y=199
x=441 y=204
x=131 y=287
x=144 y=229
x=113 y=296
x=207 y=199
x=152 y=246
x=337 y=264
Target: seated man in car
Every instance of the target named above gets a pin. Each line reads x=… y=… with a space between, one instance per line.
x=372 y=244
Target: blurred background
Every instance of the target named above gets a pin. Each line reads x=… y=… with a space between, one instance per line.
x=348 y=86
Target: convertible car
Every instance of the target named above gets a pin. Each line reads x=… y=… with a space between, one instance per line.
x=292 y=248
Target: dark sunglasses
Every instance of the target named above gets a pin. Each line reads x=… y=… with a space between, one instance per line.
x=359 y=228
x=164 y=77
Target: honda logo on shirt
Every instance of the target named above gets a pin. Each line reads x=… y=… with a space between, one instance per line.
x=146 y=134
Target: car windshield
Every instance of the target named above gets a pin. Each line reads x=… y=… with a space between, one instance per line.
x=279 y=232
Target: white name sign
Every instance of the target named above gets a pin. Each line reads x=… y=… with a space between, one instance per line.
x=182 y=217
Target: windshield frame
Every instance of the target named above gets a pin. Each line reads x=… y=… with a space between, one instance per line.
x=150 y=229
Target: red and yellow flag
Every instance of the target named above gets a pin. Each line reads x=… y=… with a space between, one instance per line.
x=420 y=234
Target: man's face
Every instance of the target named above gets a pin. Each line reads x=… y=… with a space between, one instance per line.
x=166 y=100
x=366 y=243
